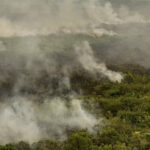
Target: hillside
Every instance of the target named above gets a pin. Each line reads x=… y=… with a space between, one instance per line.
x=124 y=108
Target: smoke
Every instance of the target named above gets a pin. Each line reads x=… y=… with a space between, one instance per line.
x=21 y=119
x=41 y=45
x=88 y=61
x=2 y=47
x=32 y=79
x=51 y=16
x=36 y=100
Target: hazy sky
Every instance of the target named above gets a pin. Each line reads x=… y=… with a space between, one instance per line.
x=19 y=17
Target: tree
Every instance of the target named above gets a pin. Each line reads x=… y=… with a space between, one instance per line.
x=79 y=141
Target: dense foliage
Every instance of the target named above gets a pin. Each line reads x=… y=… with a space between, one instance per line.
x=125 y=108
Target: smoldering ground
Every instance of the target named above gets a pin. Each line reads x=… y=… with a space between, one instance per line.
x=128 y=20
x=42 y=44
x=36 y=91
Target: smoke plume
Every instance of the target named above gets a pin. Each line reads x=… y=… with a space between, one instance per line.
x=21 y=119
x=51 y=16
x=42 y=43
x=88 y=61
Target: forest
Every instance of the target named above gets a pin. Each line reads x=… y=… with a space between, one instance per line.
x=125 y=108
x=74 y=75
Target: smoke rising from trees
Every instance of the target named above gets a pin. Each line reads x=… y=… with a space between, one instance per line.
x=42 y=43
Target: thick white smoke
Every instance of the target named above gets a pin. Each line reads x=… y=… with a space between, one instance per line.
x=88 y=61
x=31 y=115
x=23 y=119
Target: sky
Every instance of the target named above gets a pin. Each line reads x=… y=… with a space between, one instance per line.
x=33 y=17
